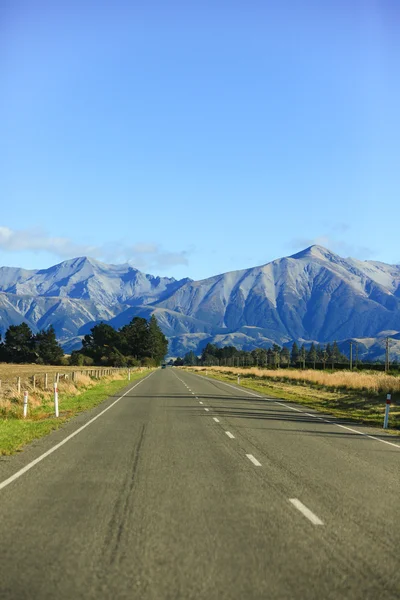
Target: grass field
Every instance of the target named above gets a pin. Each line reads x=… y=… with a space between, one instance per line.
x=358 y=397
x=9 y=371
x=74 y=397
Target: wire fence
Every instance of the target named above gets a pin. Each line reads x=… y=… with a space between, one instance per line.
x=15 y=385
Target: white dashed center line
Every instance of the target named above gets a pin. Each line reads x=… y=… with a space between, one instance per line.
x=200 y=402
x=206 y=409
x=216 y=420
x=253 y=460
x=306 y=511
x=228 y=433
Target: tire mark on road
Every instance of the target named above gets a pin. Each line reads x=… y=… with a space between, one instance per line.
x=117 y=522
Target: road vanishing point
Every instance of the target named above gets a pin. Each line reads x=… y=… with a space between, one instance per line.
x=183 y=487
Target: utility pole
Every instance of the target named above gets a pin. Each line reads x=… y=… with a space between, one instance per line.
x=387 y=361
x=351 y=356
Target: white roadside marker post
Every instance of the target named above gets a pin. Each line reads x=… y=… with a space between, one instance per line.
x=25 y=404
x=56 y=399
x=129 y=374
x=239 y=379
x=387 y=409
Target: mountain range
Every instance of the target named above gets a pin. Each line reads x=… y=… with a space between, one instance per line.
x=314 y=295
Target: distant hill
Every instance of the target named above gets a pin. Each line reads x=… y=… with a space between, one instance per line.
x=314 y=295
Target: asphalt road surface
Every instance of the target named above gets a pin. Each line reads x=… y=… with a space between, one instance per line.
x=187 y=487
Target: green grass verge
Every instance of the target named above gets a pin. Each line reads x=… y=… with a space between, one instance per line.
x=352 y=406
x=16 y=433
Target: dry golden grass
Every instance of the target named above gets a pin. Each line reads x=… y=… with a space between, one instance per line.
x=9 y=374
x=357 y=397
x=370 y=382
x=8 y=371
x=11 y=401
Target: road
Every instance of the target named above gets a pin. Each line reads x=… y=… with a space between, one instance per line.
x=188 y=488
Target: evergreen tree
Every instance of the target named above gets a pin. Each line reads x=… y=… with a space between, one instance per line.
x=312 y=354
x=259 y=356
x=190 y=359
x=285 y=356
x=270 y=357
x=48 y=350
x=3 y=352
x=158 y=344
x=336 y=355
x=209 y=350
x=324 y=356
x=276 y=353
x=135 y=338
x=295 y=353
x=100 y=343
x=139 y=341
x=19 y=344
x=302 y=355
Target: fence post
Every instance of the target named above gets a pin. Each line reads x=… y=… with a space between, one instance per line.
x=25 y=404
x=56 y=399
x=19 y=384
x=387 y=409
x=46 y=381
x=34 y=382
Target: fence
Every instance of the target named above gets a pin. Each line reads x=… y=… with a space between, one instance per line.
x=16 y=385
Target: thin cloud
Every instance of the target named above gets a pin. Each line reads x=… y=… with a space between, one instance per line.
x=142 y=255
x=36 y=240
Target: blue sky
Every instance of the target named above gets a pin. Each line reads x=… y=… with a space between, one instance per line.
x=193 y=138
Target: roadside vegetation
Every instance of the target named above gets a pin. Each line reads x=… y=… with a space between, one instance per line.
x=84 y=379
x=139 y=343
x=317 y=357
x=80 y=394
x=350 y=395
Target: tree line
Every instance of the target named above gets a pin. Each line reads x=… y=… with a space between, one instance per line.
x=140 y=342
x=20 y=345
x=275 y=356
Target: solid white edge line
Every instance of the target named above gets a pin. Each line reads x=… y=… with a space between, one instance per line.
x=228 y=433
x=29 y=466
x=216 y=420
x=236 y=388
x=291 y=407
x=253 y=460
x=372 y=437
x=306 y=511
